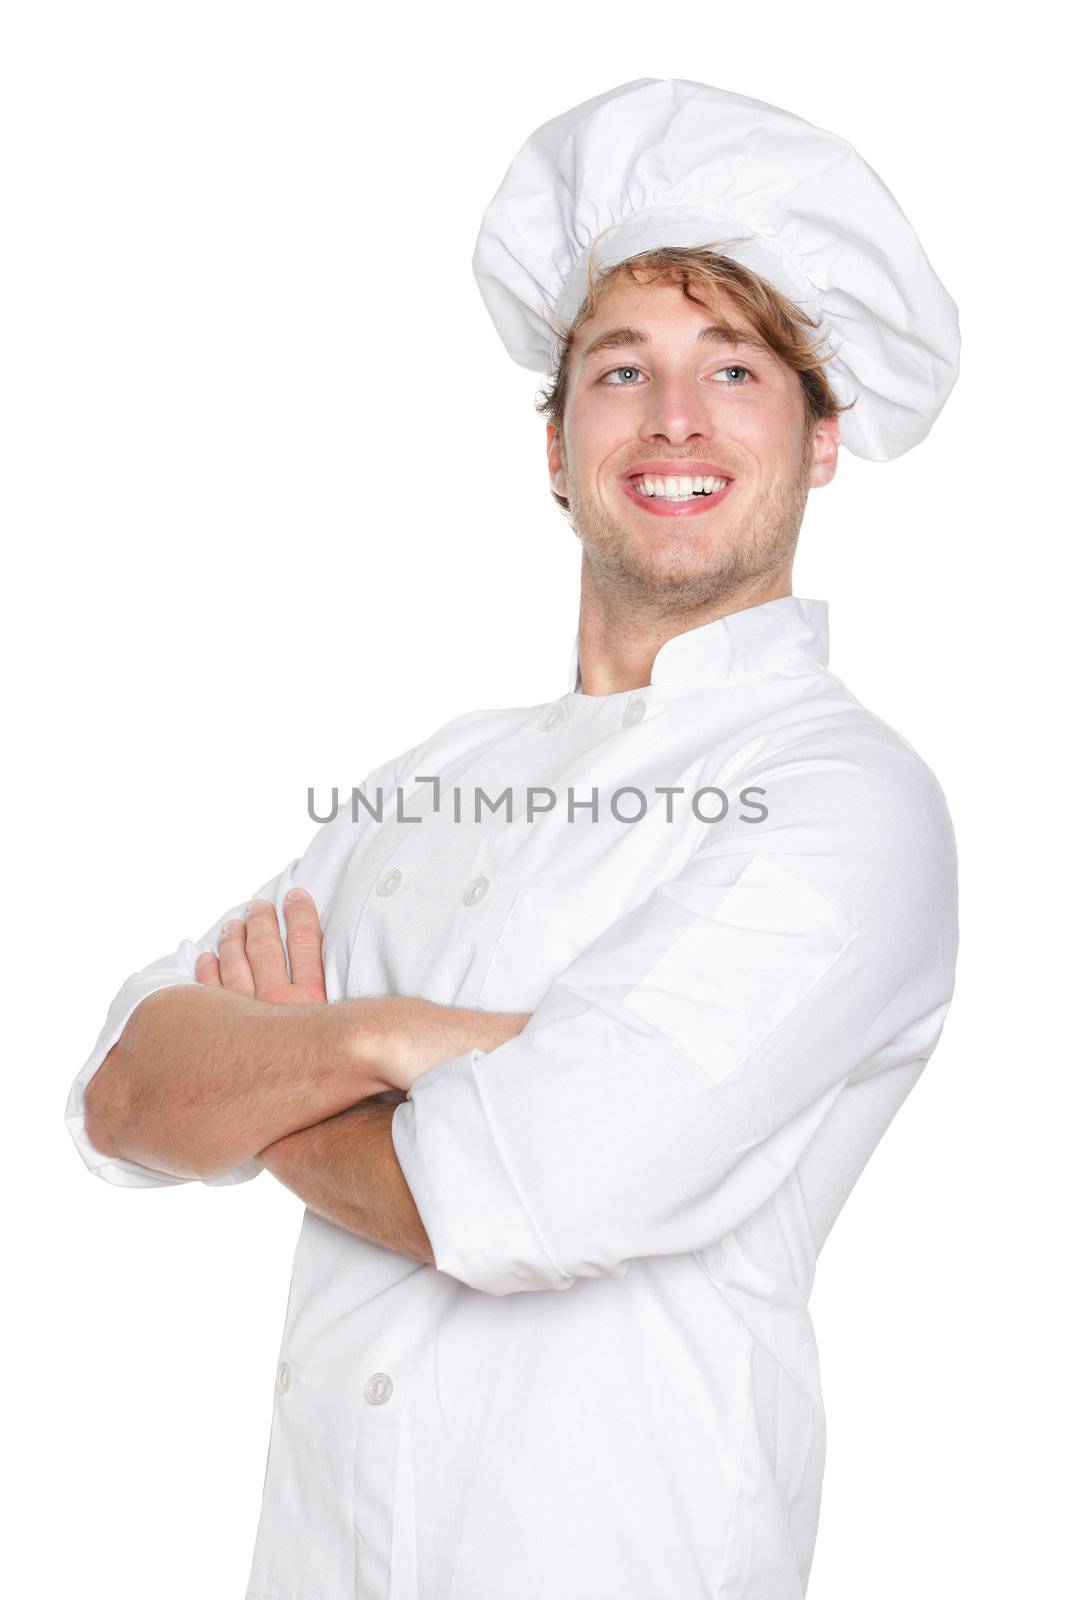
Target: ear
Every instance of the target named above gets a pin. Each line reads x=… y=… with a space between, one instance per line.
x=825 y=443
x=556 y=475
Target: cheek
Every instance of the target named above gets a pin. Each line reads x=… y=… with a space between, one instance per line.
x=596 y=438
x=773 y=432
x=765 y=449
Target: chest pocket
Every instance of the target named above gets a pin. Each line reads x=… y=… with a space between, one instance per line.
x=730 y=979
x=540 y=937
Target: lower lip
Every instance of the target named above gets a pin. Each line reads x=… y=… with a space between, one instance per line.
x=657 y=506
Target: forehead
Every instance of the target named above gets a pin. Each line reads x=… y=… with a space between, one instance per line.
x=631 y=315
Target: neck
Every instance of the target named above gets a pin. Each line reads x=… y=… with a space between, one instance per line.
x=618 y=642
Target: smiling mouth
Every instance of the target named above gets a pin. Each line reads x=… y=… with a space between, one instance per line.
x=677 y=488
x=676 y=495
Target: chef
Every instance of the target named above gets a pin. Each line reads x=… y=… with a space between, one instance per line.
x=600 y=1066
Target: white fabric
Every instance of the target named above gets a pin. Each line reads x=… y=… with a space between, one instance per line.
x=607 y=1388
x=672 y=162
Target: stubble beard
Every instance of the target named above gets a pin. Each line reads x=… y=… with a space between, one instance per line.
x=682 y=577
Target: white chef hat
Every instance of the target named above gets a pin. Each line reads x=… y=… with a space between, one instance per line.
x=665 y=161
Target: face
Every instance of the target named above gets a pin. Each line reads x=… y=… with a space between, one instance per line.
x=665 y=398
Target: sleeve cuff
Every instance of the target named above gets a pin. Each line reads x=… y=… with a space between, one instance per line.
x=474 y=1215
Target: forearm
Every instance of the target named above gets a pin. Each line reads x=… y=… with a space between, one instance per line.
x=202 y=1079
x=346 y=1170
x=422 y=1034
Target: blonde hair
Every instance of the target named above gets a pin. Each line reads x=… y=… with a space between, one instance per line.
x=778 y=321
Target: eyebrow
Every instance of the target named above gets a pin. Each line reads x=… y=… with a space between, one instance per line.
x=710 y=333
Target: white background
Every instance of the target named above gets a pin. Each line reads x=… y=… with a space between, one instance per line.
x=275 y=508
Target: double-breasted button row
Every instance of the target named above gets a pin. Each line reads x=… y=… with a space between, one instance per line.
x=552 y=716
x=390 y=882
x=377 y=1389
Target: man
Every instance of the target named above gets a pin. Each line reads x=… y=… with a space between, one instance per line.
x=609 y=1047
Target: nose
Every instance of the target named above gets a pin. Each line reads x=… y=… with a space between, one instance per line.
x=677 y=413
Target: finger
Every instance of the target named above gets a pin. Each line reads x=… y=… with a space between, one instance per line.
x=265 y=951
x=207 y=970
x=234 y=970
x=304 y=937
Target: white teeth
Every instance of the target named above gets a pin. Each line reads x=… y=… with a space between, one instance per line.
x=680 y=488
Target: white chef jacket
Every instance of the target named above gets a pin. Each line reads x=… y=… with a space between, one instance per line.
x=607 y=1386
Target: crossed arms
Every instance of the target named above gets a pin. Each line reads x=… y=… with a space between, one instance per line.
x=251 y=1061
x=739 y=1037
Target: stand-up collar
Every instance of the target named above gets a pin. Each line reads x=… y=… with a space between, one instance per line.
x=783 y=635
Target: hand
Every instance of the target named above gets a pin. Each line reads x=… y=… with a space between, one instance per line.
x=251 y=958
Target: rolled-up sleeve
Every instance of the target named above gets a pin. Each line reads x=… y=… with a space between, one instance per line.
x=676 y=1071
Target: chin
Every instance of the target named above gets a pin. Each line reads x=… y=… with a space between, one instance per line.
x=658 y=573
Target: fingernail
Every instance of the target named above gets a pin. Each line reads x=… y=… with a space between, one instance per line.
x=296 y=893
x=256 y=905
x=234 y=922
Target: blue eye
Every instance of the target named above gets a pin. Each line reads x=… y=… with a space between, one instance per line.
x=732 y=383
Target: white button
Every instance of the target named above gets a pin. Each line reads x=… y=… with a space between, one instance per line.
x=378 y=1388
x=476 y=890
x=551 y=717
x=633 y=713
x=390 y=881
x=285 y=1377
